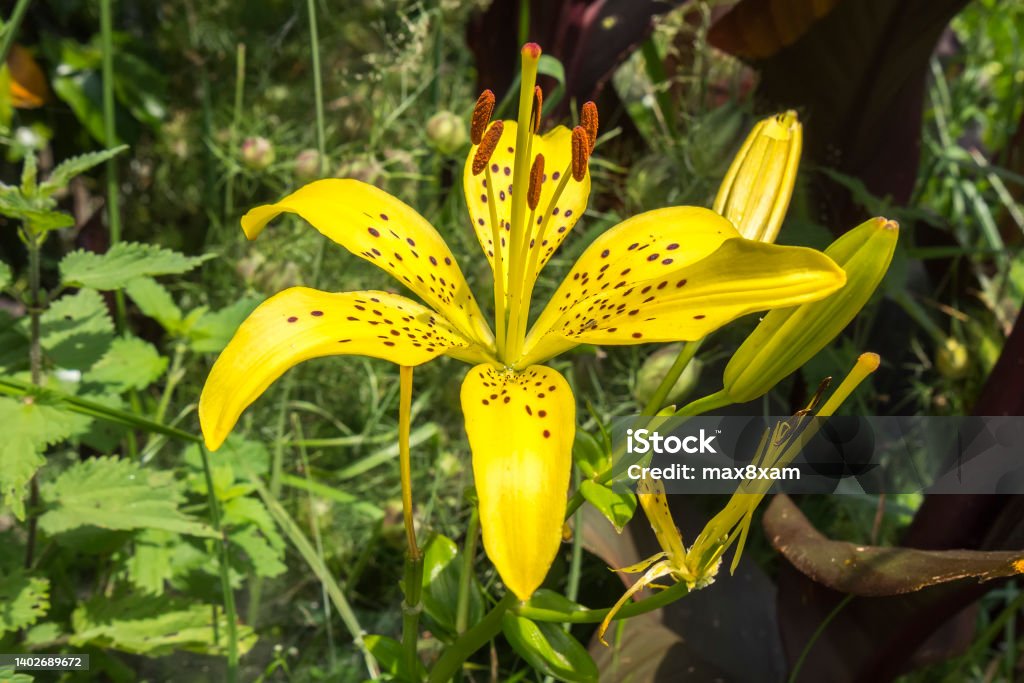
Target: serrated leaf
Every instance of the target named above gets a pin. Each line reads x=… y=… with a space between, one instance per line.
x=116 y=494
x=617 y=506
x=154 y=626
x=150 y=563
x=76 y=330
x=29 y=427
x=69 y=168
x=155 y=302
x=131 y=363
x=23 y=600
x=212 y=332
x=123 y=263
x=265 y=560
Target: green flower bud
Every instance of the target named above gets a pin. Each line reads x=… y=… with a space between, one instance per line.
x=446 y=132
x=654 y=369
x=755 y=192
x=952 y=359
x=787 y=338
x=257 y=153
x=307 y=165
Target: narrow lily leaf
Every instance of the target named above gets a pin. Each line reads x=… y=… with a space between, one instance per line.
x=442 y=570
x=528 y=474
x=589 y=455
x=124 y=262
x=616 y=506
x=388 y=233
x=301 y=323
x=556 y=147
x=549 y=649
x=874 y=570
x=390 y=654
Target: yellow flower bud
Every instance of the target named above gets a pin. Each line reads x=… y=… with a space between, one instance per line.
x=756 y=190
x=787 y=338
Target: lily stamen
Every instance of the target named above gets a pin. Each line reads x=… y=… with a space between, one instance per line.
x=580 y=152
x=488 y=144
x=538 y=106
x=481 y=116
x=589 y=121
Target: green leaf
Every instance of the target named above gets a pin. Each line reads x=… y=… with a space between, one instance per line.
x=390 y=654
x=550 y=66
x=23 y=600
x=212 y=332
x=265 y=560
x=254 y=530
x=81 y=91
x=549 y=649
x=150 y=564
x=123 y=263
x=76 y=330
x=5 y=275
x=69 y=168
x=442 y=569
x=131 y=363
x=116 y=494
x=590 y=456
x=617 y=506
x=154 y=626
x=29 y=427
x=155 y=302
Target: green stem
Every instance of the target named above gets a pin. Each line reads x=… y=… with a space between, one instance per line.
x=314 y=47
x=572 y=590
x=224 y=567
x=466 y=577
x=814 y=637
x=174 y=375
x=686 y=354
x=236 y=119
x=411 y=608
x=706 y=404
x=594 y=616
x=469 y=642
x=110 y=139
x=413 y=583
x=11 y=28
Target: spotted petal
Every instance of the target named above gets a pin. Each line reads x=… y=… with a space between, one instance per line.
x=302 y=323
x=521 y=427
x=556 y=146
x=686 y=289
x=387 y=232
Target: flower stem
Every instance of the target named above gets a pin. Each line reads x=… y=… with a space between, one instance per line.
x=318 y=95
x=236 y=119
x=466 y=577
x=11 y=28
x=470 y=641
x=593 y=616
x=413 y=582
x=706 y=404
x=686 y=354
x=223 y=565
x=110 y=139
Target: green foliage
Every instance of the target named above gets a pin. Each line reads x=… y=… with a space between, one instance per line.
x=24 y=599
x=5 y=275
x=442 y=571
x=549 y=649
x=391 y=656
x=616 y=505
x=154 y=626
x=111 y=493
x=123 y=263
x=30 y=426
x=68 y=169
x=129 y=363
x=76 y=331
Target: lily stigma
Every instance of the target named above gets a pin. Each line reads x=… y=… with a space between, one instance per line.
x=667 y=275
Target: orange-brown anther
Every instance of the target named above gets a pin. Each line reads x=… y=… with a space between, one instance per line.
x=580 y=152
x=536 y=177
x=588 y=119
x=481 y=116
x=487 y=146
x=538 y=105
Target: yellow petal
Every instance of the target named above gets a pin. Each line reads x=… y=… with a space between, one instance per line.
x=383 y=230
x=651 y=494
x=521 y=427
x=556 y=146
x=688 y=303
x=301 y=323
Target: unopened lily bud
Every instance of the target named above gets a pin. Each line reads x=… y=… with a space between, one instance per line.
x=757 y=188
x=307 y=165
x=257 y=153
x=446 y=132
x=952 y=359
x=789 y=337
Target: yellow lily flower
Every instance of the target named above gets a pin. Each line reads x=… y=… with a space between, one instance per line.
x=667 y=275
x=698 y=565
